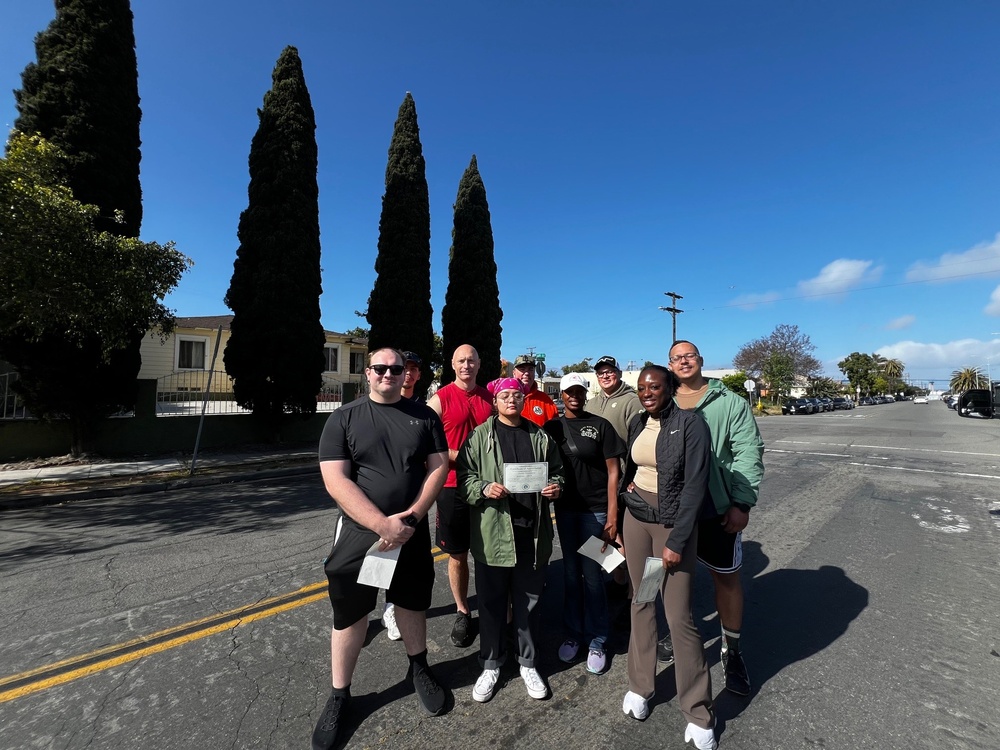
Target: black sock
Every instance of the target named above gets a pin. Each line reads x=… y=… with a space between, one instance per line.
x=344 y=691
x=731 y=641
x=419 y=660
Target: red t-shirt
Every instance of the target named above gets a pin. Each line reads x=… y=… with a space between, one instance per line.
x=461 y=413
x=538 y=407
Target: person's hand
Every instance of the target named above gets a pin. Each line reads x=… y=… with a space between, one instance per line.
x=670 y=558
x=735 y=520
x=494 y=491
x=610 y=533
x=551 y=490
x=395 y=531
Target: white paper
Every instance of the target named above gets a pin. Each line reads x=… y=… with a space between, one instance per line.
x=526 y=477
x=652 y=578
x=378 y=567
x=610 y=559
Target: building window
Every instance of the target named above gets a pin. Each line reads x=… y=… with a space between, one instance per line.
x=357 y=363
x=332 y=354
x=191 y=353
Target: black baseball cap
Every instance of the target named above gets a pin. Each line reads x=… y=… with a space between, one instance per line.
x=412 y=357
x=607 y=361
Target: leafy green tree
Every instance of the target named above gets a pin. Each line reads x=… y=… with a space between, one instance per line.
x=861 y=370
x=552 y=374
x=71 y=297
x=275 y=351
x=824 y=388
x=82 y=95
x=399 y=307
x=582 y=366
x=893 y=369
x=785 y=340
x=735 y=383
x=778 y=371
x=471 y=313
x=966 y=379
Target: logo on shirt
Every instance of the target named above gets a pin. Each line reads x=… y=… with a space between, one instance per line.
x=537 y=410
x=589 y=432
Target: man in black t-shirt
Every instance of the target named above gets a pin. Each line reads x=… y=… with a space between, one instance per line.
x=384 y=460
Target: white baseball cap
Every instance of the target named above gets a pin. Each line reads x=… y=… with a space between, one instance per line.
x=574 y=378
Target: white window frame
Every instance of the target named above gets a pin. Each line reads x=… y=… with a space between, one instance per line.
x=327 y=358
x=177 y=353
x=352 y=355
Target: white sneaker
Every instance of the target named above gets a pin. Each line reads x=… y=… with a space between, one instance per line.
x=485 y=685
x=635 y=706
x=703 y=739
x=389 y=620
x=534 y=682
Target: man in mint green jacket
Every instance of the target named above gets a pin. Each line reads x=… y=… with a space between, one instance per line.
x=738 y=453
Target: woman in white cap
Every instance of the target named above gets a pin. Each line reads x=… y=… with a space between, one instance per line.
x=590 y=448
x=511 y=534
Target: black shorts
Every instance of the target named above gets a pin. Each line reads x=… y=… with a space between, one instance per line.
x=412 y=582
x=453 y=522
x=719 y=550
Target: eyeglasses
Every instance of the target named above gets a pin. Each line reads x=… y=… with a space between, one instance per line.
x=510 y=397
x=606 y=373
x=380 y=370
x=688 y=356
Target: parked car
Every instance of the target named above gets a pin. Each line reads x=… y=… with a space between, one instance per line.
x=827 y=403
x=867 y=401
x=817 y=405
x=842 y=403
x=977 y=402
x=920 y=399
x=797 y=406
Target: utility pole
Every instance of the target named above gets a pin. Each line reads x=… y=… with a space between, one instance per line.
x=673 y=312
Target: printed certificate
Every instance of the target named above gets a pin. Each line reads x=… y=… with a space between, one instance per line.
x=533 y=477
x=652 y=578
x=378 y=567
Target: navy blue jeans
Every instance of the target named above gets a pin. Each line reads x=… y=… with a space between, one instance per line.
x=585 y=613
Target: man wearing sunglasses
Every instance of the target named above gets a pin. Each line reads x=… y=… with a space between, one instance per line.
x=383 y=460
x=738 y=453
x=617 y=401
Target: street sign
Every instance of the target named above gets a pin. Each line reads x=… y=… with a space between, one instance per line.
x=749 y=385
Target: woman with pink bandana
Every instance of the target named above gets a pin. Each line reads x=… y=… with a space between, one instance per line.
x=511 y=535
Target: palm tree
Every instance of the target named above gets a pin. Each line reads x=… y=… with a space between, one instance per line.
x=966 y=379
x=893 y=368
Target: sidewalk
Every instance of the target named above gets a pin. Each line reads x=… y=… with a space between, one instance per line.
x=46 y=485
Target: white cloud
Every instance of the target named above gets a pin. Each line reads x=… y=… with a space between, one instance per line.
x=897 y=324
x=750 y=301
x=982 y=259
x=993 y=308
x=948 y=356
x=841 y=276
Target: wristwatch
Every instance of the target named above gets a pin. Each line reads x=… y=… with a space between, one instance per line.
x=742 y=506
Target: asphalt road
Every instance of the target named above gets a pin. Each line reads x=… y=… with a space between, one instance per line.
x=197 y=618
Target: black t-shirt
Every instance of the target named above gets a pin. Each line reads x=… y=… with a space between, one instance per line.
x=515 y=447
x=387 y=445
x=587 y=480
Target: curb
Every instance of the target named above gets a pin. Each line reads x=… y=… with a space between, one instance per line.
x=146 y=488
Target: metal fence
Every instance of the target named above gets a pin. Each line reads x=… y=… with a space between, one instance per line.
x=11 y=405
x=183 y=394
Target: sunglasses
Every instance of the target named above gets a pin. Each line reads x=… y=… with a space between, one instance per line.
x=380 y=370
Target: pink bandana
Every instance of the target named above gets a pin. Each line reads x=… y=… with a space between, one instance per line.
x=504 y=384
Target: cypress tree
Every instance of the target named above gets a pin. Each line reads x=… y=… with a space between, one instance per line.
x=399 y=307
x=82 y=96
x=471 y=313
x=275 y=351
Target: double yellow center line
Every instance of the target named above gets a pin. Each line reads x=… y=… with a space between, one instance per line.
x=26 y=683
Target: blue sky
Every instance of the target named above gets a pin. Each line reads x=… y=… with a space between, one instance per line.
x=828 y=165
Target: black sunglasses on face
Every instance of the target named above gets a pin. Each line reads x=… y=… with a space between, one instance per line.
x=380 y=370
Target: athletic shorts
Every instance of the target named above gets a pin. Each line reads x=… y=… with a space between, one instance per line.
x=719 y=550
x=453 y=522
x=412 y=582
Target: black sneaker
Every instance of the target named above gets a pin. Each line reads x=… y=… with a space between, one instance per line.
x=461 y=632
x=430 y=694
x=665 y=650
x=325 y=734
x=737 y=679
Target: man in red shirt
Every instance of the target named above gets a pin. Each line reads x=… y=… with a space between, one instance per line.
x=538 y=407
x=462 y=406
